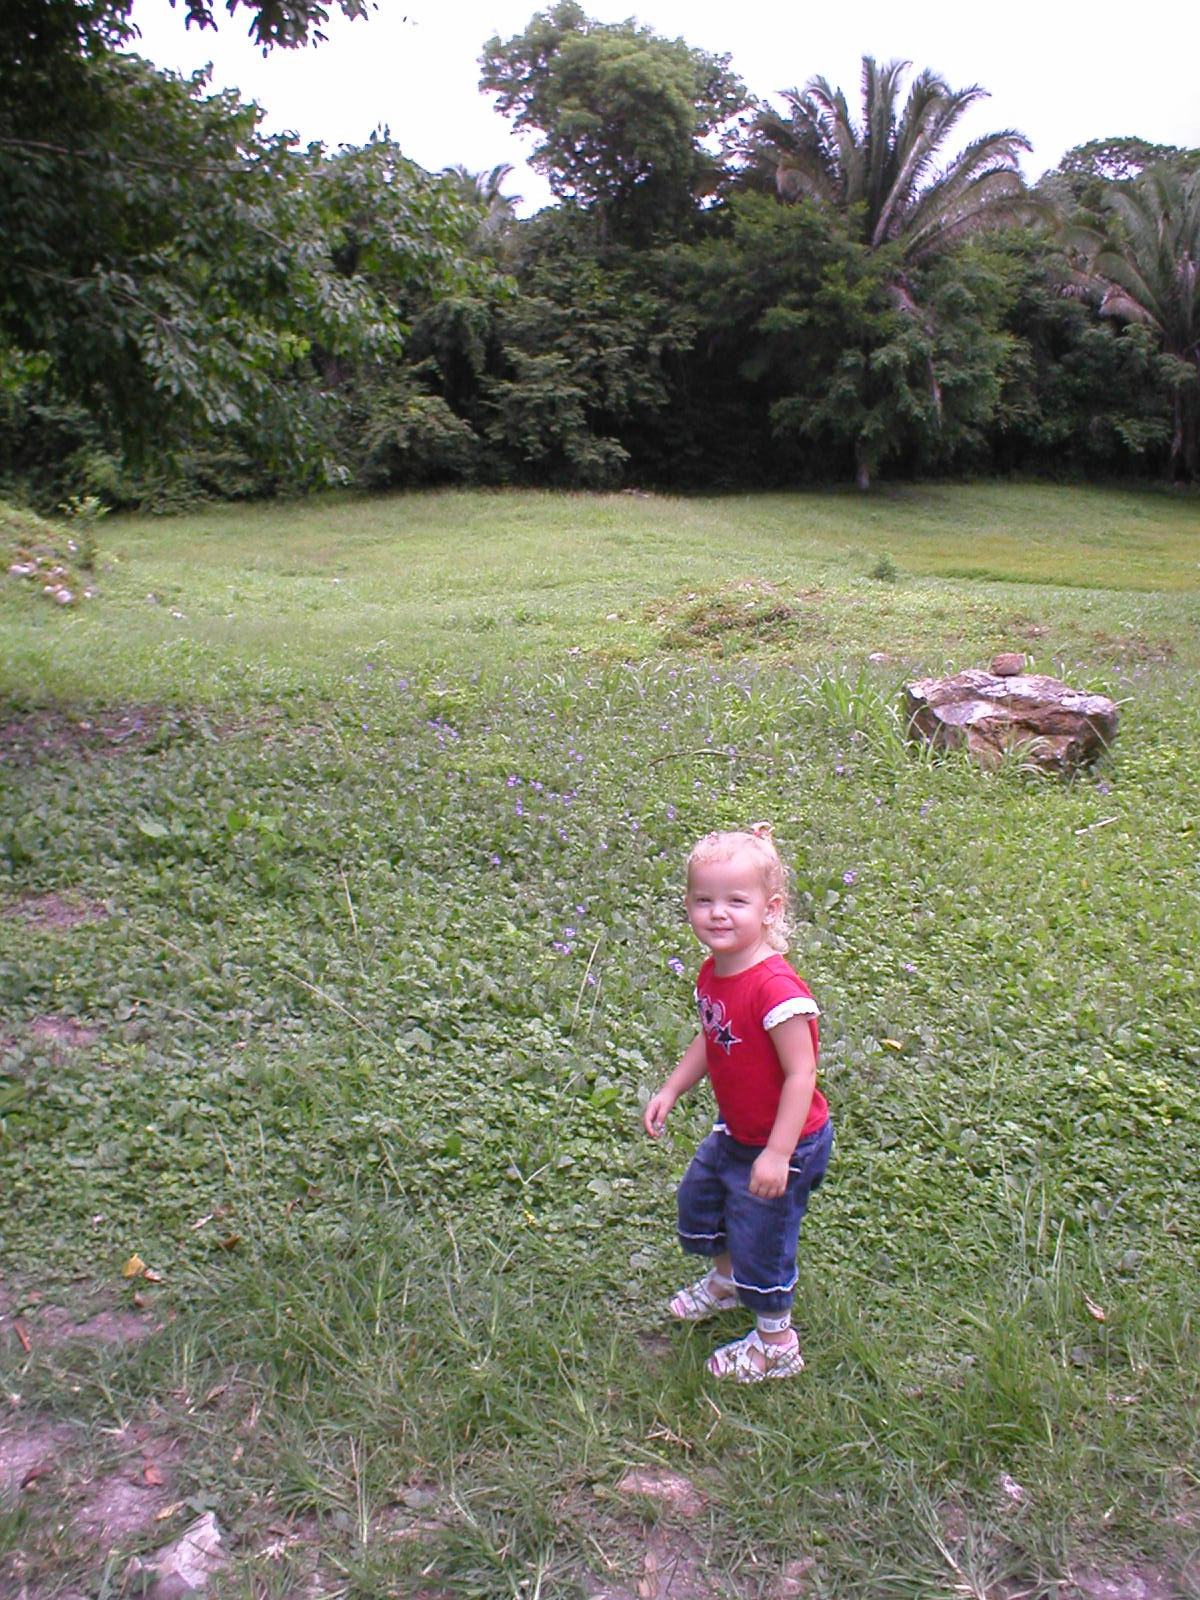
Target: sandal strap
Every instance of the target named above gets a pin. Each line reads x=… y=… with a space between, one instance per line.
x=737 y=1360
x=703 y=1299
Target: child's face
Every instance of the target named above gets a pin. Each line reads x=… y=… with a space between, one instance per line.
x=729 y=909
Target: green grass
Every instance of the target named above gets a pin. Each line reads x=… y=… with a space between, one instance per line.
x=276 y=599
x=393 y=867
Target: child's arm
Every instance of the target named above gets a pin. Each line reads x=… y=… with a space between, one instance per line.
x=794 y=1047
x=692 y=1067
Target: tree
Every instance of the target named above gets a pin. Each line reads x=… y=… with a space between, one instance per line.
x=881 y=177
x=176 y=278
x=70 y=27
x=274 y=22
x=882 y=174
x=623 y=114
x=496 y=229
x=1150 y=271
x=1080 y=181
x=1120 y=160
x=1075 y=396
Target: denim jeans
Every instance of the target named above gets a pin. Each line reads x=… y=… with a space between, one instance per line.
x=717 y=1212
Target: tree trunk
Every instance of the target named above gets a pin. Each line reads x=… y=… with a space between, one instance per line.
x=1190 y=429
x=862 y=466
x=1175 y=464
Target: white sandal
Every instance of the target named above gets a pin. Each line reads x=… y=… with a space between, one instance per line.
x=749 y=1360
x=707 y=1297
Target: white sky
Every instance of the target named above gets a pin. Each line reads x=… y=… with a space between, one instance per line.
x=1061 y=74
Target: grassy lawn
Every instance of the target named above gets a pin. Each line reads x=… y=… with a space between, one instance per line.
x=342 y=849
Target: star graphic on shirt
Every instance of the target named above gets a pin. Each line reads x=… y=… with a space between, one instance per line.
x=726 y=1037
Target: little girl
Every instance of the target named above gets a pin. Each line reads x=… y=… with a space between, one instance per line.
x=745 y=1192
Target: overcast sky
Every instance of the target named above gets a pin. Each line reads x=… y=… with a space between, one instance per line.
x=1061 y=74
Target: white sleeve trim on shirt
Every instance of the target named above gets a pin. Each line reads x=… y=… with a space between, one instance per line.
x=797 y=1006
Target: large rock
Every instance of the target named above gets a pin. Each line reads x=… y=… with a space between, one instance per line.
x=1041 y=718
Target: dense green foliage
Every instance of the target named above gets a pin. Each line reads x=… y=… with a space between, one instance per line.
x=724 y=294
x=367 y=876
x=623 y=115
x=180 y=287
x=1151 y=267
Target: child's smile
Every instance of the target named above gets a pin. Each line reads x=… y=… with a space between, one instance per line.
x=729 y=910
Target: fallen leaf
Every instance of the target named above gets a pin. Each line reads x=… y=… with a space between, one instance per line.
x=134 y=1267
x=22 y=1334
x=169 y=1511
x=894 y=1044
x=151 y=1474
x=230 y=1242
x=151 y=1276
x=41 y=1469
x=1097 y=1311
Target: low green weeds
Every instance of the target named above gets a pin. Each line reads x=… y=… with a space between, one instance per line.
x=386 y=949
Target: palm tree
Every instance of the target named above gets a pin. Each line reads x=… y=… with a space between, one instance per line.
x=882 y=177
x=1150 y=272
x=485 y=189
x=883 y=173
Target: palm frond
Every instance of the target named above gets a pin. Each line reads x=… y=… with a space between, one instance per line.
x=1150 y=264
x=887 y=163
x=1119 y=302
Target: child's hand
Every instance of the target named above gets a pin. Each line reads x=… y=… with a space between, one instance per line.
x=769 y=1175
x=654 y=1118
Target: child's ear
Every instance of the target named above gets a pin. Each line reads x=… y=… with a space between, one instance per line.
x=773 y=908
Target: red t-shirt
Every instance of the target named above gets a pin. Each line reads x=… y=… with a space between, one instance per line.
x=736 y=1017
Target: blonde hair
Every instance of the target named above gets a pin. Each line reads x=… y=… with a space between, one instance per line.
x=758 y=841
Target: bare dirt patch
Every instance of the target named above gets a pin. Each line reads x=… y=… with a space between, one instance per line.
x=30 y=1451
x=80 y=1505
x=33 y=1320
x=49 y=734
x=660 y=1559
x=1135 y=650
x=670 y=1489
x=67 y=1032
x=55 y=911
x=672 y=1567
x=132 y=1495
x=1131 y=1583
